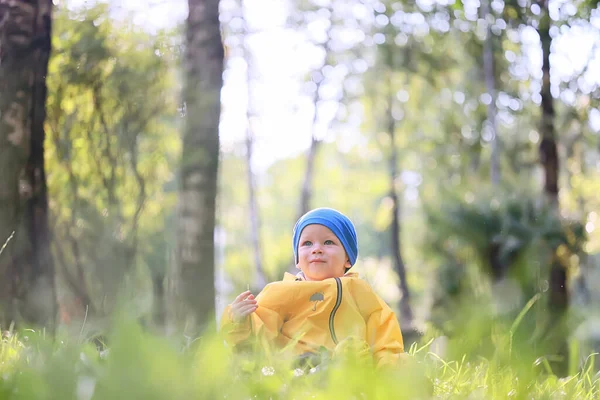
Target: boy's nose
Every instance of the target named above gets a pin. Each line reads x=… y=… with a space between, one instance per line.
x=317 y=248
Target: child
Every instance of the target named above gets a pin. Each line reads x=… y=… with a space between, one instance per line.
x=324 y=305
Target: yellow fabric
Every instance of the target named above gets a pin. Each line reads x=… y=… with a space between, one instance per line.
x=297 y=314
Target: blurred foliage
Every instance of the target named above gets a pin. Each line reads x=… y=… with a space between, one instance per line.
x=111 y=150
x=111 y=153
x=139 y=365
x=500 y=227
x=497 y=249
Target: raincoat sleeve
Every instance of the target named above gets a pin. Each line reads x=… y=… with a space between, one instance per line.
x=384 y=336
x=264 y=324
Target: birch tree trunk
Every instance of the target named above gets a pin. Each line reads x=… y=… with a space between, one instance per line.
x=489 y=72
x=261 y=279
x=307 y=182
x=199 y=165
x=27 y=291
x=548 y=151
x=306 y=192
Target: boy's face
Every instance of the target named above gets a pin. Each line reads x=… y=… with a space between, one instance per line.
x=321 y=255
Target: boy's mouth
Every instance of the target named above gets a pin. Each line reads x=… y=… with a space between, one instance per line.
x=317 y=260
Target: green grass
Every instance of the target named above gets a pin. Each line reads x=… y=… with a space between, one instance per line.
x=140 y=365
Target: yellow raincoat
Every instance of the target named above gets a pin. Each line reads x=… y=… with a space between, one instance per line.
x=307 y=315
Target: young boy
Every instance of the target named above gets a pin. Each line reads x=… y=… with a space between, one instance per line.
x=324 y=305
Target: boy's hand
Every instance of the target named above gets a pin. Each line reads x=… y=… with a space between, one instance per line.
x=243 y=305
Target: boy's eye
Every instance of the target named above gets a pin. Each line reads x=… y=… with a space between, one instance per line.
x=307 y=243
x=329 y=242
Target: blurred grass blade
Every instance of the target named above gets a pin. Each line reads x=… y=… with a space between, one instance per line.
x=517 y=321
x=6 y=243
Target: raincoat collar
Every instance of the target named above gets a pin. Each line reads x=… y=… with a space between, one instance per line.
x=287 y=277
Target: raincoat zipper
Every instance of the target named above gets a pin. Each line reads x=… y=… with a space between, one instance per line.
x=338 y=301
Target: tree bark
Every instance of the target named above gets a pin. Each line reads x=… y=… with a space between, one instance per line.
x=548 y=150
x=199 y=165
x=27 y=291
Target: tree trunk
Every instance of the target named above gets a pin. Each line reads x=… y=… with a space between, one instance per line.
x=199 y=165
x=489 y=71
x=406 y=314
x=27 y=291
x=548 y=151
x=261 y=279
x=159 y=312
x=548 y=148
x=307 y=183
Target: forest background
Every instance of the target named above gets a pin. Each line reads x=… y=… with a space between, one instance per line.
x=462 y=138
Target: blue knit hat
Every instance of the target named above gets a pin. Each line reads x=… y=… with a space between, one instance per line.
x=339 y=224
